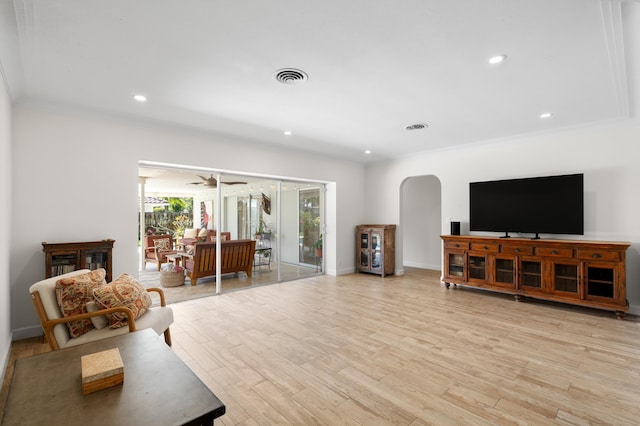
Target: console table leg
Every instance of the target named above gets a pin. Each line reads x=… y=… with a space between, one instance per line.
x=620 y=315
x=447 y=285
x=518 y=297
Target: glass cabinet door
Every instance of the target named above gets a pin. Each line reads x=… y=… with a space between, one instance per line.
x=364 y=258
x=376 y=239
x=531 y=275
x=364 y=241
x=505 y=272
x=478 y=267
x=61 y=263
x=376 y=250
x=364 y=254
x=456 y=265
x=565 y=279
x=600 y=282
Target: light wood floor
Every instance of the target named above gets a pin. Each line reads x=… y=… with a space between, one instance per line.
x=360 y=349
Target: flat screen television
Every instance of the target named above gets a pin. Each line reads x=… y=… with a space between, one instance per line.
x=549 y=205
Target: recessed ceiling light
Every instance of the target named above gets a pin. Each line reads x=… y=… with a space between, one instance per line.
x=546 y=115
x=368 y=151
x=140 y=98
x=288 y=132
x=497 y=59
x=418 y=126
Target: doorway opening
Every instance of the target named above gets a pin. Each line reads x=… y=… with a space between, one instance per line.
x=421 y=220
x=284 y=217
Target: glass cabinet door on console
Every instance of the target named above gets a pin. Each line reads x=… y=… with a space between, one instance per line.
x=599 y=282
x=477 y=267
x=565 y=280
x=455 y=261
x=504 y=271
x=481 y=256
x=455 y=265
x=531 y=275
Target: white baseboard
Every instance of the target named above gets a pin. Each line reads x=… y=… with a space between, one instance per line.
x=343 y=271
x=26 y=332
x=423 y=266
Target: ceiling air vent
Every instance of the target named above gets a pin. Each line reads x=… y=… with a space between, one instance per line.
x=291 y=76
x=412 y=127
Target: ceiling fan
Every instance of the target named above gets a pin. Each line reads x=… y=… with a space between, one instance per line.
x=211 y=182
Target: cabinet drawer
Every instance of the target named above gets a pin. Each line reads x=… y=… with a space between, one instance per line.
x=610 y=256
x=484 y=247
x=554 y=252
x=457 y=245
x=517 y=250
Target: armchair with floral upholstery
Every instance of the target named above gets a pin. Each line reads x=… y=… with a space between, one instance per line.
x=156 y=249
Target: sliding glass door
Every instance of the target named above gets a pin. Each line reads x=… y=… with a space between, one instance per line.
x=309 y=227
x=283 y=217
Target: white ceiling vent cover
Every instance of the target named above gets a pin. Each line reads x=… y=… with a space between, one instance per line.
x=291 y=76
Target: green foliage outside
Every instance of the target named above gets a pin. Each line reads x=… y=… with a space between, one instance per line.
x=172 y=219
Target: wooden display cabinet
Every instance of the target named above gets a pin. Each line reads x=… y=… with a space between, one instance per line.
x=375 y=249
x=587 y=273
x=61 y=258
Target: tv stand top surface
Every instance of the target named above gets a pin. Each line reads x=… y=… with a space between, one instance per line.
x=620 y=245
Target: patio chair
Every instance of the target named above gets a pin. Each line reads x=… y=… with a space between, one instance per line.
x=43 y=294
x=156 y=249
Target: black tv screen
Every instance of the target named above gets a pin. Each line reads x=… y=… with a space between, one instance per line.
x=549 y=205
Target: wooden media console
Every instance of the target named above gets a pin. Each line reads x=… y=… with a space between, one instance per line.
x=587 y=273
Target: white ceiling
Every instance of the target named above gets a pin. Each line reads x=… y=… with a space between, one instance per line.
x=374 y=67
x=161 y=181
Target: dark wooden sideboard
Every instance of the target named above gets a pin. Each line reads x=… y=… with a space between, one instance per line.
x=587 y=273
x=61 y=258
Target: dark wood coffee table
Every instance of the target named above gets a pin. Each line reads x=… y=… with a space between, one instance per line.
x=158 y=388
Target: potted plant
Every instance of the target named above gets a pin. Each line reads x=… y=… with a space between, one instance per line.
x=263 y=232
x=318 y=246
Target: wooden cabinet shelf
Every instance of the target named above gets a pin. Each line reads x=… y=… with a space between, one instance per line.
x=375 y=249
x=61 y=258
x=588 y=273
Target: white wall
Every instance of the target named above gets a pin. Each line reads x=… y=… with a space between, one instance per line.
x=608 y=155
x=419 y=234
x=75 y=179
x=5 y=225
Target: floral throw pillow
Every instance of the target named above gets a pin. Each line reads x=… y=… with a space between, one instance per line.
x=124 y=291
x=73 y=294
x=162 y=244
